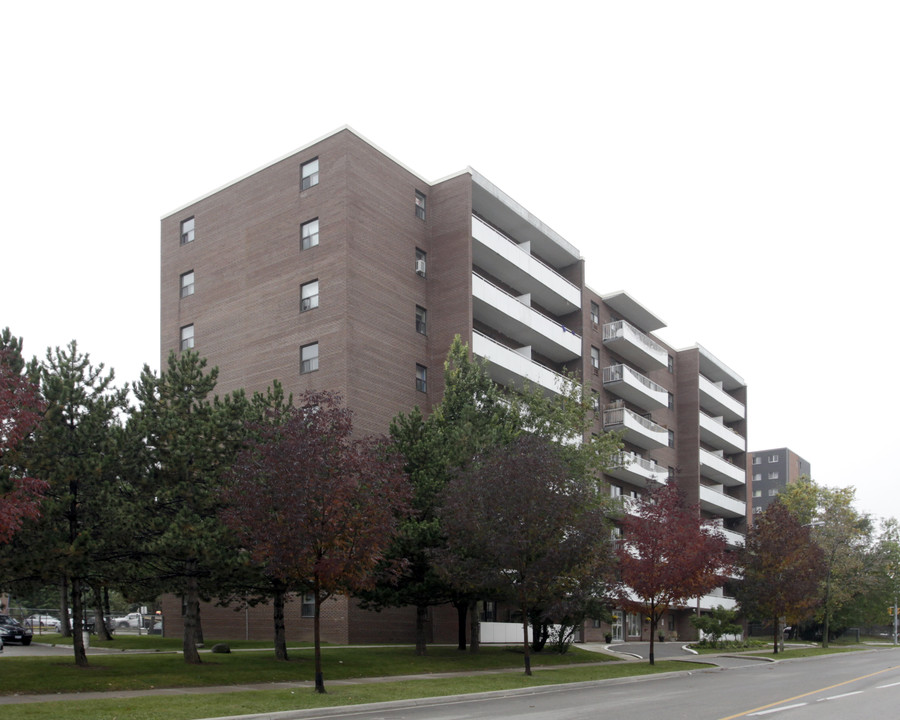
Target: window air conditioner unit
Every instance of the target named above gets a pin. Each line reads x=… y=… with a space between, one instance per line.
x=420 y=267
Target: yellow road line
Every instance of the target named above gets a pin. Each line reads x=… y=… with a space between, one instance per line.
x=812 y=692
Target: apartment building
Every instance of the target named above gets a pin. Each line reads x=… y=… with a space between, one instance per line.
x=336 y=267
x=771 y=472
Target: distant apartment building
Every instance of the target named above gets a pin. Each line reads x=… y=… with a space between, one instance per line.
x=771 y=471
x=336 y=267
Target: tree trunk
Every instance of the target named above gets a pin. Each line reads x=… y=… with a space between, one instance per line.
x=461 y=608
x=100 y=617
x=775 y=636
x=474 y=628
x=191 y=619
x=320 y=679
x=653 y=622
x=78 y=625
x=278 y=612
x=525 y=644
x=64 y=625
x=421 y=618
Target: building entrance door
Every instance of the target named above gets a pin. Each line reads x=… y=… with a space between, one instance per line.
x=617 y=623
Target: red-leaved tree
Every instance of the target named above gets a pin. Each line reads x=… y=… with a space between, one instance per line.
x=668 y=555
x=314 y=506
x=21 y=406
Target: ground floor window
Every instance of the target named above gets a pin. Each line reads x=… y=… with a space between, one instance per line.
x=308 y=605
x=634 y=625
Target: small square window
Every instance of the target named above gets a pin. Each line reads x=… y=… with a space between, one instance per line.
x=309 y=174
x=309 y=234
x=421 y=320
x=773 y=458
x=757 y=493
x=309 y=358
x=773 y=475
x=309 y=296
x=187 y=337
x=773 y=492
x=420 y=205
x=187 y=231
x=757 y=460
x=308 y=605
x=757 y=477
x=421 y=378
x=595 y=313
x=187 y=284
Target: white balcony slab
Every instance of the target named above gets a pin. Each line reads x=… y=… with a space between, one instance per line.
x=510 y=368
x=628 y=383
x=630 y=343
x=637 y=430
x=515 y=319
x=515 y=266
x=637 y=471
x=716 y=402
x=718 y=503
x=719 y=469
x=718 y=435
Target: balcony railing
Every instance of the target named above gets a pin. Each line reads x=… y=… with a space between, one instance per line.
x=638 y=430
x=631 y=385
x=716 y=433
x=634 y=345
x=512 y=368
x=721 y=470
x=719 y=503
x=637 y=470
x=715 y=400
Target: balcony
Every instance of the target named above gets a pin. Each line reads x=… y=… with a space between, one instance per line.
x=715 y=598
x=635 y=470
x=720 y=470
x=636 y=429
x=516 y=319
x=513 y=368
x=715 y=433
x=718 y=503
x=626 y=340
x=732 y=538
x=629 y=384
x=718 y=402
x=514 y=264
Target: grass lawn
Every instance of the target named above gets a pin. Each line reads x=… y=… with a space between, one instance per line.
x=185 y=707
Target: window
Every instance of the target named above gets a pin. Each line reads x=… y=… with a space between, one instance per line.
x=420 y=262
x=309 y=358
x=187 y=337
x=633 y=621
x=187 y=231
x=595 y=313
x=308 y=605
x=773 y=458
x=309 y=234
x=773 y=475
x=421 y=320
x=671 y=364
x=187 y=283
x=773 y=492
x=671 y=401
x=671 y=438
x=595 y=359
x=420 y=205
x=757 y=477
x=757 y=493
x=595 y=401
x=309 y=174
x=309 y=296
x=671 y=473
x=489 y=611
x=421 y=378
x=615 y=491
x=757 y=460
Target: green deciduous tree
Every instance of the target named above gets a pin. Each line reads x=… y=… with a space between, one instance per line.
x=781 y=566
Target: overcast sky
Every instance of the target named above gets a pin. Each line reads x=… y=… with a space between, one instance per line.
x=735 y=167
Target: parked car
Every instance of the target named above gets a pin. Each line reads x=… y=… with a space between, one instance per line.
x=11 y=630
x=132 y=620
x=43 y=621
